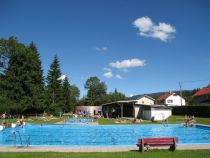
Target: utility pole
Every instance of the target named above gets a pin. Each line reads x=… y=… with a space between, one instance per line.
x=180 y=91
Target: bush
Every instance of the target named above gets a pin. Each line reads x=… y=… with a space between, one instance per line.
x=199 y=111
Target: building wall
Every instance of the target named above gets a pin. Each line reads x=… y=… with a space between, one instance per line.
x=175 y=101
x=160 y=114
x=137 y=111
x=145 y=101
x=91 y=109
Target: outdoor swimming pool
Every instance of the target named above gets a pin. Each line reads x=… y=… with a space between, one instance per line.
x=101 y=135
x=78 y=121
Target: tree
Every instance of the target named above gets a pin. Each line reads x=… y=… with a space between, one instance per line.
x=116 y=96
x=66 y=100
x=54 y=87
x=74 y=96
x=20 y=83
x=96 y=94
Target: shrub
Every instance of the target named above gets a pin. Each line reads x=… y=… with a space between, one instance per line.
x=200 y=111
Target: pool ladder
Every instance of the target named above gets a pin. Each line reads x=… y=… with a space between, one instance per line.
x=21 y=142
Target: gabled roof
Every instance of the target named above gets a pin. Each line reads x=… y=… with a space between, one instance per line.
x=145 y=96
x=118 y=102
x=165 y=96
x=203 y=91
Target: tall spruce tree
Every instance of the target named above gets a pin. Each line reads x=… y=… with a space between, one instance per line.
x=54 y=88
x=23 y=81
x=38 y=79
x=66 y=96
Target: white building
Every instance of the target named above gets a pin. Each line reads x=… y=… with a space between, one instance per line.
x=171 y=99
x=142 y=108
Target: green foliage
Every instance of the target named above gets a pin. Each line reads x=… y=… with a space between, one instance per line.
x=116 y=96
x=66 y=96
x=96 y=94
x=22 y=83
x=74 y=96
x=53 y=95
x=200 y=111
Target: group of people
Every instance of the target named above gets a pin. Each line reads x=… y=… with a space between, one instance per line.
x=20 y=121
x=189 y=121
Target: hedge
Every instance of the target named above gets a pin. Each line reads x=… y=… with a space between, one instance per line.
x=200 y=111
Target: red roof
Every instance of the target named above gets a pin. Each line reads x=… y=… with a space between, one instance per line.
x=203 y=91
x=164 y=96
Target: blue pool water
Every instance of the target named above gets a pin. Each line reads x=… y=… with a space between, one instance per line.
x=78 y=121
x=102 y=135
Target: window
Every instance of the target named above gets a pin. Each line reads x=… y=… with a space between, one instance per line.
x=170 y=101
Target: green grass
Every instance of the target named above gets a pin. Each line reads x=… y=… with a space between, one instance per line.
x=171 y=120
x=38 y=120
x=132 y=154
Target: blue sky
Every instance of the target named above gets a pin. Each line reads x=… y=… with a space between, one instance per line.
x=135 y=46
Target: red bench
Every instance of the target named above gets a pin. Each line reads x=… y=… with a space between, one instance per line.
x=154 y=142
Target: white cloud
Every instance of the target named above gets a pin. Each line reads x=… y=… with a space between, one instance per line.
x=118 y=76
x=101 y=49
x=130 y=95
x=108 y=74
x=127 y=64
x=107 y=69
x=62 y=77
x=147 y=28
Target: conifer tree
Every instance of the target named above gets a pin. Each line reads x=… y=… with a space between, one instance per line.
x=54 y=87
x=23 y=81
x=66 y=96
x=37 y=76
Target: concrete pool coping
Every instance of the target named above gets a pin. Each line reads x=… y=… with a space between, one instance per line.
x=93 y=148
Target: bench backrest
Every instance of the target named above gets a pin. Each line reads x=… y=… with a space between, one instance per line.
x=158 y=140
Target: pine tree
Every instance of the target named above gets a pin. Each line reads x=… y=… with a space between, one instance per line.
x=54 y=87
x=17 y=80
x=37 y=76
x=23 y=81
x=66 y=100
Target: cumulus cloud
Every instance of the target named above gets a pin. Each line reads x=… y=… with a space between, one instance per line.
x=108 y=74
x=101 y=49
x=118 y=76
x=130 y=95
x=62 y=77
x=148 y=28
x=107 y=69
x=127 y=64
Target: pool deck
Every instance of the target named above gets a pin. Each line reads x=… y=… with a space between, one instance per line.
x=93 y=149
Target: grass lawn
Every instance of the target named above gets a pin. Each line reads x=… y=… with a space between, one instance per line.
x=134 y=154
x=171 y=120
x=38 y=120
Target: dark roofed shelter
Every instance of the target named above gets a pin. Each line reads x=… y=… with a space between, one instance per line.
x=119 y=109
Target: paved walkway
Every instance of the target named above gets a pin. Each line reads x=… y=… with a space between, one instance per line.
x=92 y=149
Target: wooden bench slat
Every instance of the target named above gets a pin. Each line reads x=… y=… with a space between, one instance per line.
x=157 y=142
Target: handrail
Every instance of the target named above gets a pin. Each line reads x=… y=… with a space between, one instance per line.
x=20 y=137
x=28 y=141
